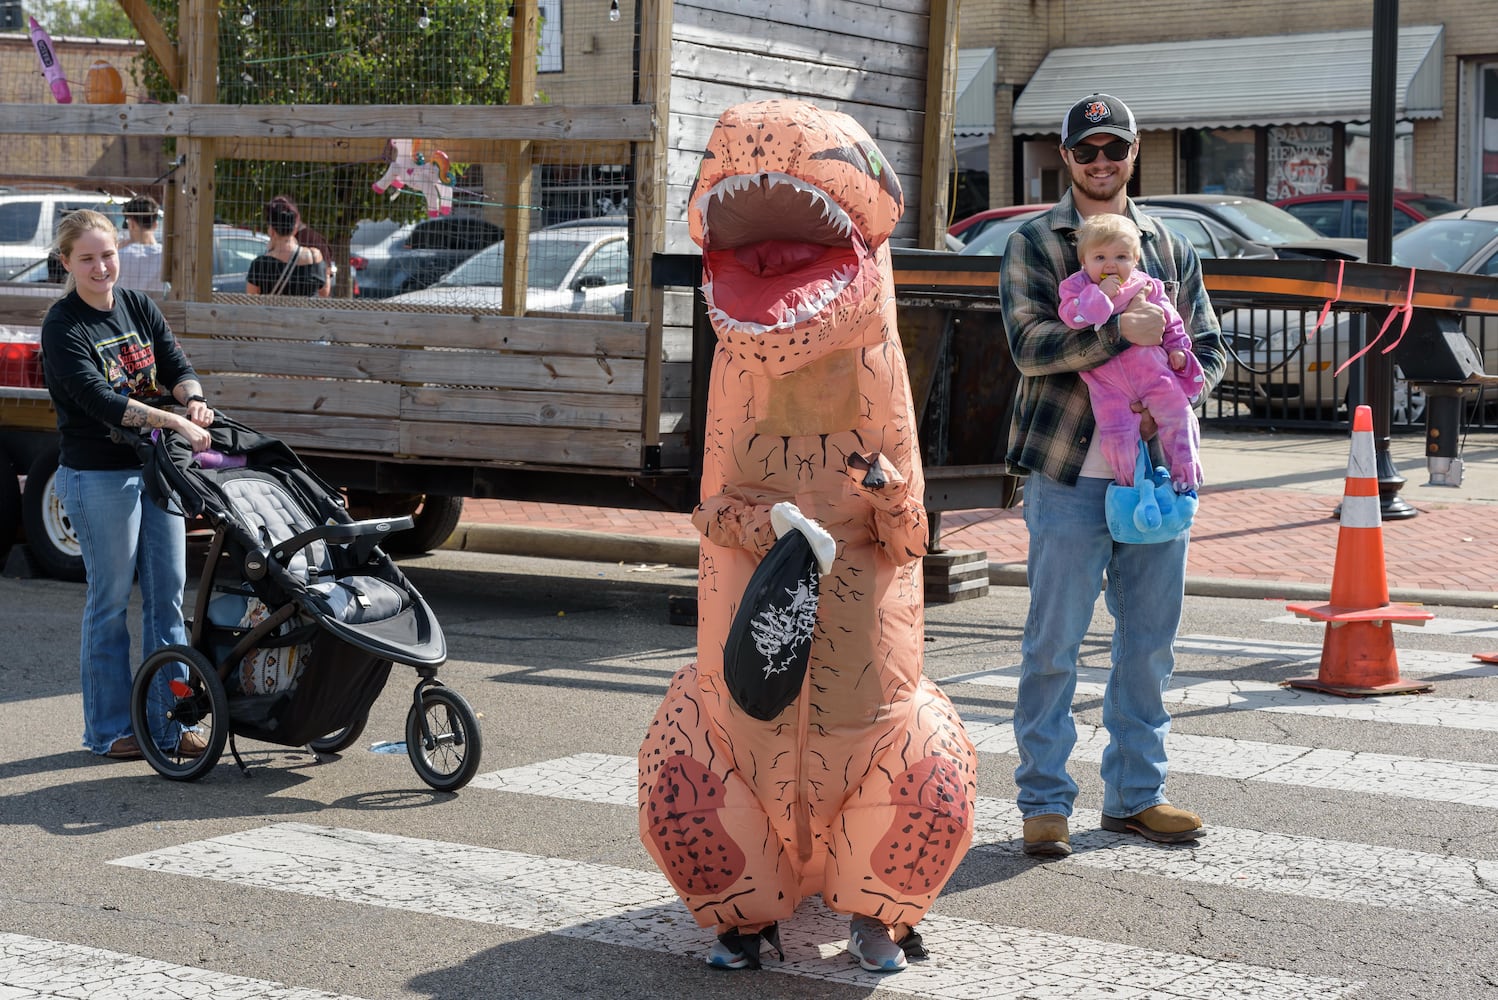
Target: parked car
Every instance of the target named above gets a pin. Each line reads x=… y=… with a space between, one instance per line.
x=994 y=237
x=581 y=269
x=1279 y=364
x=1226 y=225
x=29 y=221
x=233 y=249
x=1345 y=213
x=429 y=250
x=970 y=228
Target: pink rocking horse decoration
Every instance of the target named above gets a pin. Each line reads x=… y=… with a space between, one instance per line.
x=426 y=171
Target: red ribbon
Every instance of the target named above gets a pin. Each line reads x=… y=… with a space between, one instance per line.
x=1336 y=296
x=1407 y=309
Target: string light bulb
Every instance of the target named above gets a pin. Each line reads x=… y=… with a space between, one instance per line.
x=613 y=10
x=332 y=19
x=247 y=16
x=423 y=20
x=510 y=16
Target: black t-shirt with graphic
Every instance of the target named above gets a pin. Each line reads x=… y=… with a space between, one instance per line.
x=95 y=361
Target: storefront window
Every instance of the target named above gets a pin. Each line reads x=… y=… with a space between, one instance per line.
x=1487 y=129
x=1357 y=146
x=1300 y=160
x=1219 y=161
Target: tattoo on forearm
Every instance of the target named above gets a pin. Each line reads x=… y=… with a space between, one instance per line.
x=140 y=415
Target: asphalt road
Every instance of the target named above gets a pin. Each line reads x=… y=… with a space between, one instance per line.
x=1352 y=852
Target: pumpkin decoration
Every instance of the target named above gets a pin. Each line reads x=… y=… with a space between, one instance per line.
x=103 y=84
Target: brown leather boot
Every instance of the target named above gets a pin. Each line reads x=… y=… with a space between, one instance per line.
x=1164 y=824
x=1047 y=836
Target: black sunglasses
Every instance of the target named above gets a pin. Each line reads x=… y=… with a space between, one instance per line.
x=1117 y=151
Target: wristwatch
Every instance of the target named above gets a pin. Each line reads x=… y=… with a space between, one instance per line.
x=197 y=399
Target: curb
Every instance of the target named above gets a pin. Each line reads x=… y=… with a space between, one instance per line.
x=593 y=546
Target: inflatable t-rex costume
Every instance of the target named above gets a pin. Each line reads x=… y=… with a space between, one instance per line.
x=863 y=788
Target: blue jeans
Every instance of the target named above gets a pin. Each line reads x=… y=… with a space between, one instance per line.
x=1068 y=552
x=123 y=535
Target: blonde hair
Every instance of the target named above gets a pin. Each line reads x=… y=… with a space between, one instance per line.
x=74 y=225
x=1106 y=227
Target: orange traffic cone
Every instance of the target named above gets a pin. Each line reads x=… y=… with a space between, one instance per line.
x=1357 y=653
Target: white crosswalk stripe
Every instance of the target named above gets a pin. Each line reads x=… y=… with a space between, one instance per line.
x=1439 y=625
x=1467 y=782
x=637 y=909
x=36 y=969
x=1336 y=871
x=1262 y=696
x=1416 y=662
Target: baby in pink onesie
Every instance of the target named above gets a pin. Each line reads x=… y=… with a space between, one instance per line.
x=1163 y=376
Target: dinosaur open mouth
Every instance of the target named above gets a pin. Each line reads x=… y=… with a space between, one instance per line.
x=777 y=252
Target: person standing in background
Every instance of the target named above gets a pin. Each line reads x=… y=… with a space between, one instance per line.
x=287 y=267
x=140 y=255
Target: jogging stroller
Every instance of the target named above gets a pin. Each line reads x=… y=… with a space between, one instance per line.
x=298 y=620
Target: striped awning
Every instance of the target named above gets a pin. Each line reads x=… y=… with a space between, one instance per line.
x=977 y=72
x=1317 y=78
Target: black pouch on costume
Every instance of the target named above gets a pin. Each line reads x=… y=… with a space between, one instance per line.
x=769 y=642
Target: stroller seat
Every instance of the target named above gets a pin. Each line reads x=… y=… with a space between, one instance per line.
x=272 y=514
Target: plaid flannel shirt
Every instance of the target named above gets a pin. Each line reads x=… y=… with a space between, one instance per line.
x=1053 y=422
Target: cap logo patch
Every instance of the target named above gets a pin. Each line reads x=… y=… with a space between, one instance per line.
x=1096 y=112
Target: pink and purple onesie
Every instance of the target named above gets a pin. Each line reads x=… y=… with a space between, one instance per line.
x=1142 y=373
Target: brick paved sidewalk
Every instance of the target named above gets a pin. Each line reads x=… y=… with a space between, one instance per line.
x=1263 y=535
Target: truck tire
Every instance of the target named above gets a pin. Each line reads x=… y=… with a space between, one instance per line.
x=49 y=534
x=436 y=518
x=10 y=505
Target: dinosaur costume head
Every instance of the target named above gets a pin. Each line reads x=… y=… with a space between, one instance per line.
x=793 y=208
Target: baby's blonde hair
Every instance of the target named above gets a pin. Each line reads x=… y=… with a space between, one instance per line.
x=1106 y=227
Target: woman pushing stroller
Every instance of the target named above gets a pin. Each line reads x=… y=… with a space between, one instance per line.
x=106 y=352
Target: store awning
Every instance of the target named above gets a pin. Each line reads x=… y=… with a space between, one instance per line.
x=977 y=73
x=1316 y=78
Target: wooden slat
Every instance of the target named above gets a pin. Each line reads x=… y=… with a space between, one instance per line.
x=540 y=445
x=618 y=122
x=157 y=42
x=941 y=103
x=313 y=397
x=477 y=331
x=595 y=411
x=523 y=371
x=374 y=150
x=336 y=434
x=833 y=33
x=705 y=57
x=305 y=360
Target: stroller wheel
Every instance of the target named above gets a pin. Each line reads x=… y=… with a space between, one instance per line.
x=341 y=739
x=177 y=687
x=442 y=738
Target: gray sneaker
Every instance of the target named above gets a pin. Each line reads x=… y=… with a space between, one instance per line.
x=870 y=943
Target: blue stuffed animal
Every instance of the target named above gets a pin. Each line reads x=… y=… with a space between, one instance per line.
x=1150 y=511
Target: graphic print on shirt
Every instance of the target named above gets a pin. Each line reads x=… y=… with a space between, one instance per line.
x=129 y=364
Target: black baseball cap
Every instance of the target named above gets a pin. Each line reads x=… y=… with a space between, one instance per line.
x=1098 y=113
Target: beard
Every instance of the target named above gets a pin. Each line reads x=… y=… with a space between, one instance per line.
x=1104 y=188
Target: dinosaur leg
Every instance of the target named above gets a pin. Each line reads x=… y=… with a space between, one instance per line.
x=703 y=825
x=908 y=823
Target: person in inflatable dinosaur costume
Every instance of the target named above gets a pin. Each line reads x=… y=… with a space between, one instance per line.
x=862 y=789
